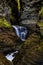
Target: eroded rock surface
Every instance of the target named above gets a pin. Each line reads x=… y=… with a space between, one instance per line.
x=31 y=52
x=8 y=39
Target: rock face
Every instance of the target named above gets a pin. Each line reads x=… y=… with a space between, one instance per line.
x=4 y=10
x=31 y=52
x=14 y=6
x=8 y=39
x=30 y=10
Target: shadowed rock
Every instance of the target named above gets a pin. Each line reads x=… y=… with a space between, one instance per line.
x=8 y=39
x=31 y=52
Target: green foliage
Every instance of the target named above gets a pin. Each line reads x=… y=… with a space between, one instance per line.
x=4 y=23
x=18 y=2
x=40 y=24
x=41 y=12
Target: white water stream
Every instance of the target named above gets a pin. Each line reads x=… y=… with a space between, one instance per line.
x=10 y=56
x=21 y=32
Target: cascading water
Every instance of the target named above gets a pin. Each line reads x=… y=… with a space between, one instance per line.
x=10 y=56
x=21 y=32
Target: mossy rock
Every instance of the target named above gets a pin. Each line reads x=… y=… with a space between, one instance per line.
x=41 y=12
x=31 y=52
x=5 y=23
x=40 y=24
x=33 y=39
x=30 y=56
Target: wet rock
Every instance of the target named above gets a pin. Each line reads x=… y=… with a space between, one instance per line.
x=40 y=24
x=31 y=52
x=4 y=61
x=8 y=39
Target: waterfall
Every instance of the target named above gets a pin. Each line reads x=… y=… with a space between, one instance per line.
x=10 y=56
x=21 y=32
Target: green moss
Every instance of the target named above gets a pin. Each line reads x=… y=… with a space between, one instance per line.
x=40 y=24
x=41 y=43
x=41 y=12
x=4 y=23
x=18 y=2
